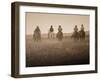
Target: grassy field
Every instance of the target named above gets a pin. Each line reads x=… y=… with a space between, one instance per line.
x=53 y=52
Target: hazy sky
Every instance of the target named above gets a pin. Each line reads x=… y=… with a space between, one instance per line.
x=44 y=21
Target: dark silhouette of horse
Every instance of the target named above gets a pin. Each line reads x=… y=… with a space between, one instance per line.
x=59 y=35
x=75 y=36
x=82 y=35
x=37 y=34
x=78 y=35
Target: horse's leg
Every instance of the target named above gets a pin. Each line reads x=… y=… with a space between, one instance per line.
x=38 y=36
x=51 y=35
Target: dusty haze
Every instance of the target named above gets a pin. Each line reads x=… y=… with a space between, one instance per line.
x=51 y=52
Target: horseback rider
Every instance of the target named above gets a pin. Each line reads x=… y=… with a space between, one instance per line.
x=75 y=28
x=37 y=29
x=37 y=34
x=51 y=32
x=60 y=33
x=75 y=34
x=82 y=28
x=82 y=33
x=59 y=28
x=51 y=29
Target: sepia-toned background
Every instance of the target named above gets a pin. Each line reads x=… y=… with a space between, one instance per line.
x=44 y=21
x=52 y=52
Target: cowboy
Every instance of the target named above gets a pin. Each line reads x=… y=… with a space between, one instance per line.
x=82 y=27
x=37 y=29
x=59 y=28
x=51 y=29
x=37 y=34
x=51 y=33
x=59 y=33
x=75 y=28
x=82 y=33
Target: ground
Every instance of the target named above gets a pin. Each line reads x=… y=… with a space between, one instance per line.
x=51 y=52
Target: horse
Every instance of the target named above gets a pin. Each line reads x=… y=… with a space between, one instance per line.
x=59 y=35
x=50 y=35
x=37 y=36
x=82 y=35
x=78 y=35
x=75 y=36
